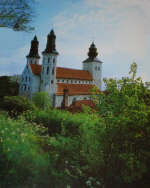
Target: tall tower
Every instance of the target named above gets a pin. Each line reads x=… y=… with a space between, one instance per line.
x=48 y=74
x=33 y=56
x=94 y=65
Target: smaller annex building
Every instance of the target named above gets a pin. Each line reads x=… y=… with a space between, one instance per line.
x=64 y=85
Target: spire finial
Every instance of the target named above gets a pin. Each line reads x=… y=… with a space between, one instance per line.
x=35 y=38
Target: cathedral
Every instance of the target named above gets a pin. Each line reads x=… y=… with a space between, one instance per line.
x=65 y=86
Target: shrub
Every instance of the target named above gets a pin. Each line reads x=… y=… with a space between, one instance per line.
x=15 y=105
x=41 y=100
x=22 y=161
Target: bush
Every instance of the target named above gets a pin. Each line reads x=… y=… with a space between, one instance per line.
x=22 y=161
x=41 y=100
x=16 y=105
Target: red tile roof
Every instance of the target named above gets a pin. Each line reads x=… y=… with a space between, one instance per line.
x=79 y=103
x=68 y=73
x=65 y=73
x=74 y=89
x=36 y=69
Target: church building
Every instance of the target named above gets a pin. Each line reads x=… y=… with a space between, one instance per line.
x=64 y=85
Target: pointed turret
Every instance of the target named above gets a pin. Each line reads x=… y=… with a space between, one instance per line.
x=94 y=65
x=51 y=43
x=34 y=49
x=92 y=51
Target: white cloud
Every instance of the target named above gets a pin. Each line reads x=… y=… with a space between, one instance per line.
x=118 y=27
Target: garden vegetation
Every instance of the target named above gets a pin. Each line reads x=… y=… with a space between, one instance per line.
x=44 y=147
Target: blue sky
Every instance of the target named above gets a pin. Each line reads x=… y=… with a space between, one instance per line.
x=120 y=29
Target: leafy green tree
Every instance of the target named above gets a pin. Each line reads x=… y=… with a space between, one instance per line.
x=123 y=138
x=41 y=100
x=16 y=14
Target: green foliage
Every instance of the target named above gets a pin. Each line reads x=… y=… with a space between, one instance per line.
x=41 y=100
x=124 y=139
x=22 y=161
x=16 y=14
x=107 y=148
x=8 y=87
x=15 y=105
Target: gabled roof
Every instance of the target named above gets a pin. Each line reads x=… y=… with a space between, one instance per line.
x=65 y=73
x=74 y=89
x=36 y=69
x=68 y=73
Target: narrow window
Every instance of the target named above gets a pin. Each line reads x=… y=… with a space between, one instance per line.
x=96 y=68
x=79 y=81
x=47 y=70
x=54 y=60
x=53 y=71
x=25 y=87
x=57 y=80
x=26 y=79
x=62 y=80
x=99 y=68
x=52 y=81
x=48 y=60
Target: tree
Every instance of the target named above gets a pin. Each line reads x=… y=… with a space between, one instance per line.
x=42 y=100
x=16 y=14
x=123 y=146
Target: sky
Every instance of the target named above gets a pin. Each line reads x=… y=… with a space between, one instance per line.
x=119 y=28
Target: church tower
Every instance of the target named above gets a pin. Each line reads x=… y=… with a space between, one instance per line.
x=48 y=74
x=33 y=56
x=94 y=65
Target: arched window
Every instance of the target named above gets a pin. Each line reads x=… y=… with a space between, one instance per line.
x=54 y=60
x=52 y=81
x=47 y=70
x=25 y=87
x=96 y=68
x=48 y=60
